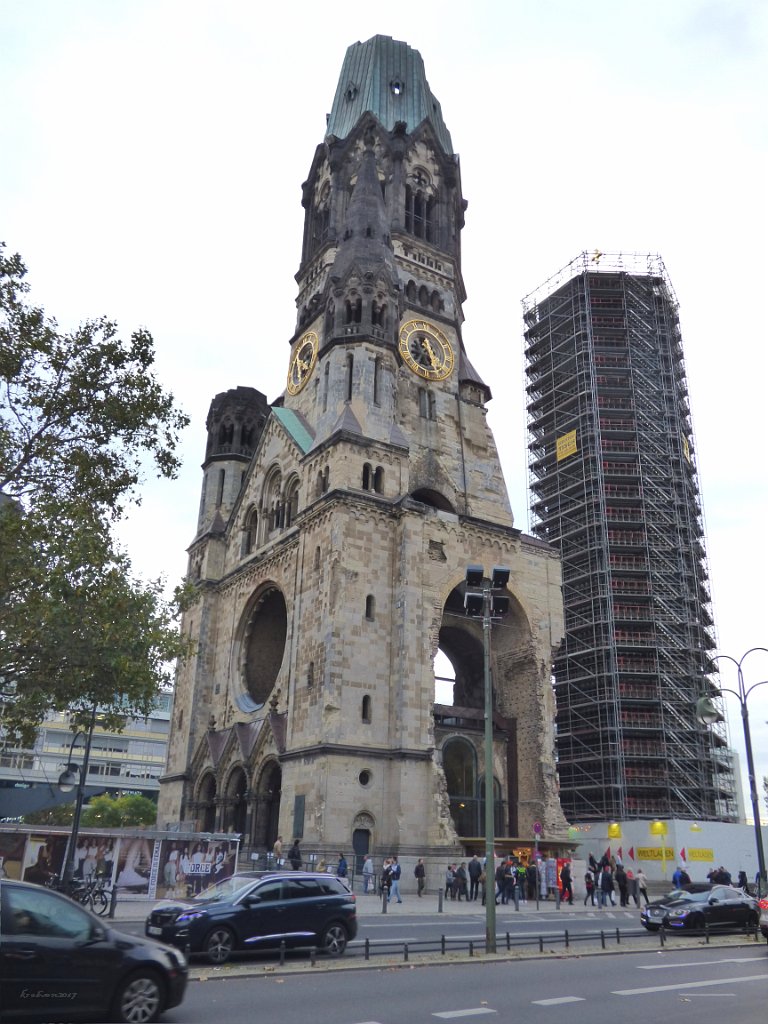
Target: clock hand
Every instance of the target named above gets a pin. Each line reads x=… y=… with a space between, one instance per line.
x=426 y=345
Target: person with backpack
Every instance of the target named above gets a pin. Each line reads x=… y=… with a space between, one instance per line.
x=394 y=875
x=589 y=885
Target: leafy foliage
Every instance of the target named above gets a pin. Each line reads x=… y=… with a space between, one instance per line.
x=119 y=812
x=80 y=413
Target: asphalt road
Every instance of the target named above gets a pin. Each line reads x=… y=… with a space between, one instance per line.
x=691 y=986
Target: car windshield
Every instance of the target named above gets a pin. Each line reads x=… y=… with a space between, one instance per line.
x=688 y=897
x=226 y=889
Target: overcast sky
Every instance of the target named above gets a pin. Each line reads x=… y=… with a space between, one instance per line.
x=151 y=161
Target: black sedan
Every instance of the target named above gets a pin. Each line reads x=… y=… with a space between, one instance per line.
x=698 y=907
x=58 y=961
x=248 y=914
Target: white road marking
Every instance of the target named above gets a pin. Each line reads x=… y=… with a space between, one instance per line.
x=556 y=1002
x=448 y=1014
x=685 y=986
x=701 y=963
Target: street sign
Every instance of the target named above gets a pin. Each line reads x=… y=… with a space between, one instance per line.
x=537 y=828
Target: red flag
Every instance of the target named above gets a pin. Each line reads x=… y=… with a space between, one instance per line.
x=682 y=854
x=620 y=854
x=608 y=853
x=632 y=852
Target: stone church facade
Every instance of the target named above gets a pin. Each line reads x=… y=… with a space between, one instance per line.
x=336 y=525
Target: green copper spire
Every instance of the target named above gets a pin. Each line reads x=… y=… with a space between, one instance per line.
x=386 y=78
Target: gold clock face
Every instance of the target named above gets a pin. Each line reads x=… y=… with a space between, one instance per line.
x=426 y=350
x=302 y=362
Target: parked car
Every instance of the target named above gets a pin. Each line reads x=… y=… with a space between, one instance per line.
x=699 y=906
x=260 y=911
x=58 y=961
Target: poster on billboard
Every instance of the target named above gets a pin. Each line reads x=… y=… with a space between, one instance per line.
x=11 y=855
x=186 y=867
x=44 y=858
x=134 y=865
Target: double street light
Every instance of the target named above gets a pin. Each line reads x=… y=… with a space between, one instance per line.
x=484 y=597
x=708 y=714
x=73 y=776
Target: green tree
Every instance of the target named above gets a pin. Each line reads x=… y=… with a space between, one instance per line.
x=81 y=413
x=119 y=812
x=61 y=814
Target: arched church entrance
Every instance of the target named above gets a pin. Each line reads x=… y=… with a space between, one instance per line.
x=235 y=806
x=267 y=810
x=206 y=803
x=362 y=834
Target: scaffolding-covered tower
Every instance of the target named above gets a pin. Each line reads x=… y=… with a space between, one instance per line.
x=614 y=487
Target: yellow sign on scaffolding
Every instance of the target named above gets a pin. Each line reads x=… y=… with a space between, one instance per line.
x=655 y=853
x=702 y=853
x=566 y=445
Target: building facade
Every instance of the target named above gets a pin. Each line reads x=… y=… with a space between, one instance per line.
x=336 y=525
x=615 y=489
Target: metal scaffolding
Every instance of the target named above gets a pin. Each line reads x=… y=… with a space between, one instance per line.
x=613 y=480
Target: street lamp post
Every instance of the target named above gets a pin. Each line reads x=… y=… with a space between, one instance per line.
x=707 y=713
x=72 y=776
x=484 y=598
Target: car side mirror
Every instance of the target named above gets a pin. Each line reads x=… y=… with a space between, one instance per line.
x=712 y=900
x=252 y=899
x=98 y=934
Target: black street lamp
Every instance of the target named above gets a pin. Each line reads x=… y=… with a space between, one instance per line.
x=707 y=713
x=75 y=776
x=484 y=597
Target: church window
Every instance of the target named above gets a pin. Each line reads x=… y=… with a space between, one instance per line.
x=426 y=404
x=317 y=559
x=367 y=476
x=423 y=296
x=350 y=370
x=311 y=675
x=364 y=778
x=291 y=502
x=326 y=381
x=377 y=382
x=419 y=210
x=330 y=315
x=326 y=479
x=220 y=489
x=370 y=607
x=366 y=710
x=396 y=86
x=378 y=480
x=436 y=302
x=353 y=310
x=226 y=436
x=410 y=291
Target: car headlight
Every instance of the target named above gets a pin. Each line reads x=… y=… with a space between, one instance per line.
x=178 y=957
x=678 y=913
x=190 y=915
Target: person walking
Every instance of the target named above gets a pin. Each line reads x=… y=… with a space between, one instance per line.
x=368 y=885
x=474 y=870
x=294 y=856
x=277 y=851
x=642 y=884
x=420 y=875
x=589 y=885
x=606 y=887
x=394 y=874
x=449 y=881
x=460 y=882
x=623 y=883
x=342 y=867
x=566 y=891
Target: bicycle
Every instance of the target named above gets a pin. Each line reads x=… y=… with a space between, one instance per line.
x=96 y=895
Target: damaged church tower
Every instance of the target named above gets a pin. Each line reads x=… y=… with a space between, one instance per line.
x=337 y=524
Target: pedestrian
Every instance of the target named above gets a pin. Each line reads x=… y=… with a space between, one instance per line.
x=742 y=882
x=460 y=881
x=386 y=878
x=449 y=881
x=277 y=851
x=474 y=870
x=566 y=884
x=642 y=884
x=394 y=874
x=419 y=874
x=623 y=884
x=342 y=867
x=677 y=877
x=294 y=856
x=589 y=885
x=606 y=887
x=368 y=885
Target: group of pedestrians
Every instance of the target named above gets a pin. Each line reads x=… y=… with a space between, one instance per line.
x=603 y=878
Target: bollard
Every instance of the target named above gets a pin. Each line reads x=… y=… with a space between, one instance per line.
x=384 y=901
x=706 y=933
x=618 y=937
x=567 y=943
x=471 y=948
x=313 y=957
x=442 y=944
x=661 y=935
x=517 y=898
x=367 y=949
x=112 y=902
x=557 y=899
x=602 y=939
x=541 y=944
x=509 y=946
x=439 y=901
x=405 y=952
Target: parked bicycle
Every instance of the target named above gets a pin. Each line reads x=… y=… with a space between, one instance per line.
x=95 y=893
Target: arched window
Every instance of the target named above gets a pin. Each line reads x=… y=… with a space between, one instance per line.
x=410 y=291
x=366 y=709
x=220 y=489
x=460 y=767
x=250 y=532
x=350 y=372
x=377 y=381
x=311 y=675
x=291 y=502
x=367 y=476
x=330 y=319
x=423 y=296
x=317 y=559
x=378 y=480
x=370 y=607
x=326 y=381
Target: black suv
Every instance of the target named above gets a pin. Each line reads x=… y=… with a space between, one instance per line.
x=249 y=913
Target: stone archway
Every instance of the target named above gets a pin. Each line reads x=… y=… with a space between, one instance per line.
x=235 y=806
x=266 y=818
x=206 y=803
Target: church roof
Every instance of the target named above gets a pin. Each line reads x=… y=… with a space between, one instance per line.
x=386 y=78
x=296 y=425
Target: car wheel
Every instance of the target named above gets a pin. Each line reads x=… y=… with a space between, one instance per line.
x=219 y=944
x=696 y=922
x=334 y=940
x=140 y=999
x=753 y=920
x=652 y=927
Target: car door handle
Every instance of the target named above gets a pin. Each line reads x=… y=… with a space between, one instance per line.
x=20 y=954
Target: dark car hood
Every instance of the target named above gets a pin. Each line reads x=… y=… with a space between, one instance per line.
x=181 y=905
